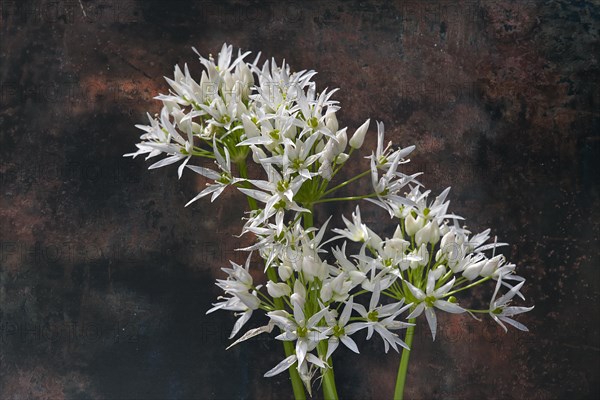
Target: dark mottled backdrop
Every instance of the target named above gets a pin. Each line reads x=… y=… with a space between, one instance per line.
x=105 y=277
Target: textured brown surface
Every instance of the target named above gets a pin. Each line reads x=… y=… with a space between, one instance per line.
x=105 y=277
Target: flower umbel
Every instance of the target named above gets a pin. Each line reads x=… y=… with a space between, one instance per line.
x=316 y=295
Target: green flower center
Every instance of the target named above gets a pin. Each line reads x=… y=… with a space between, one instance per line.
x=282 y=186
x=301 y=331
x=280 y=205
x=224 y=179
x=274 y=134
x=338 y=331
x=429 y=300
x=296 y=164
x=373 y=316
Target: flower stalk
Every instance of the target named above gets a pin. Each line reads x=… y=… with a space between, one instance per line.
x=403 y=367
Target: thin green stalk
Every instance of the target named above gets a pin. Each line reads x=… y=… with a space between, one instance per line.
x=243 y=169
x=288 y=347
x=329 y=389
x=341 y=185
x=366 y=196
x=487 y=278
x=403 y=368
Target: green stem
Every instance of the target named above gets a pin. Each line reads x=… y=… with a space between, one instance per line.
x=403 y=368
x=487 y=278
x=329 y=389
x=297 y=385
x=288 y=347
x=341 y=185
x=366 y=196
x=243 y=169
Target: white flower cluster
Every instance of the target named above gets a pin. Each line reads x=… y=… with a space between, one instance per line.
x=313 y=293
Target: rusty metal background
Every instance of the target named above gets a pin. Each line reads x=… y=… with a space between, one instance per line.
x=105 y=277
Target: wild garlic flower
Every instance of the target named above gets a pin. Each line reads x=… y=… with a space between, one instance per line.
x=240 y=112
x=381 y=319
x=501 y=312
x=433 y=298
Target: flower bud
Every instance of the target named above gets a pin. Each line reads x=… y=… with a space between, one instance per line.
x=285 y=272
x=337 y=283
x=359 y=136
x=491 y=266
x=396 y=246
x=447 y=242
x=246 y=74
x=444 y=229
x=357 y=277
x=249 y=299
x=411 y=225
x=398 y=233
x=319 y=146
x=430 y=233
x=279 y=289
x=440 y=256
x=438 y=272
x=340 y=142
x=341 y=158
x=249 y=127
x=297 y=299
x=228 y=82
x=472 y=271
x=312 y=268
x=331 y=121
x=325 y=170
x=299 y=295
x=299 y=289
x=257 y=153
x=196 y=127
x=326 y=292
x=423 y=256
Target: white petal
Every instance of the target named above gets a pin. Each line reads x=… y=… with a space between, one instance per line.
x=510 y=311
x=282 y=366
x=444 y=289
x=210 y=189
x=209 y=173
x=315 y=360
x=254 y=332
x=332 y=344
x=301 y=350
x=449 y=307
x=166 y=161
x=241 y=321
x=514 y=323
x=375 y=295
x=312 y=321
x=418 y=293
x=349 y=343
x=510 y=294
x=355 y=327
x=431 y=320
x=345 y=317
x=417 y=311
x=256 y=194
